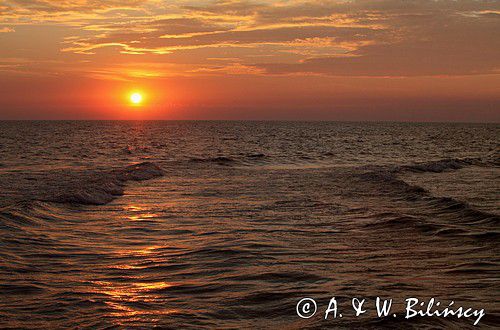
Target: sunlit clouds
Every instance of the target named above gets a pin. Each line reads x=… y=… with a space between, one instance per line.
x=330 y=37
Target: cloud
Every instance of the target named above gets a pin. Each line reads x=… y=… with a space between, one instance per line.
x=172 y=39
x=71 y=5
x=6 y=30
x=431 y=43
x=345 y=38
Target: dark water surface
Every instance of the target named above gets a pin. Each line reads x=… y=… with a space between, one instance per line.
x=230 y=224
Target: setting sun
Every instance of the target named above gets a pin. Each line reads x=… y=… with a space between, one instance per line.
x=136 y=98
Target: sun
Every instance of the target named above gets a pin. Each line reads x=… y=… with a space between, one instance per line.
x=136 y=98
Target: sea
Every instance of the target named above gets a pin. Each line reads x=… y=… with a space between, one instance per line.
x=229 y=224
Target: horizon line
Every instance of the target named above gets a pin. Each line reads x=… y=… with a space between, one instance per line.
x=254 y=120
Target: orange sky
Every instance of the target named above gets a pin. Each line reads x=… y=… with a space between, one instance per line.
x=425 y=60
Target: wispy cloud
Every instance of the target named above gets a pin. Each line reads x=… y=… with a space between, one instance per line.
x=6 y=29
x=344 y=38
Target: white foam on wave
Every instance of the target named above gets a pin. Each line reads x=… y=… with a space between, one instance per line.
x=102 y=187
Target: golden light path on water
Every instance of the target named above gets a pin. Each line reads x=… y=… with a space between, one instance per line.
x=136 y=289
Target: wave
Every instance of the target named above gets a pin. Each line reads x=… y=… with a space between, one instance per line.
x=219 y=160
x=102 y=187
x=241 y=159
x=265 y=161
x=442 y=216
x=325 y=160
x=442 y=165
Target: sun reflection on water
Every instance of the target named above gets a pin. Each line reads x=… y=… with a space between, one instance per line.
x=134 y=297
x=139 y=213
x=128 y=300
x=133 y=291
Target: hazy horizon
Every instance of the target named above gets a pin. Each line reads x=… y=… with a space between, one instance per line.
x=263 y=120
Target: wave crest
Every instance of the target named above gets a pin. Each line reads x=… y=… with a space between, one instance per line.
x=442 y=165
x=101 y=188
x=456 y=217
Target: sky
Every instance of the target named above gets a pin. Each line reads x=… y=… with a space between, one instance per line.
x=398 y=60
